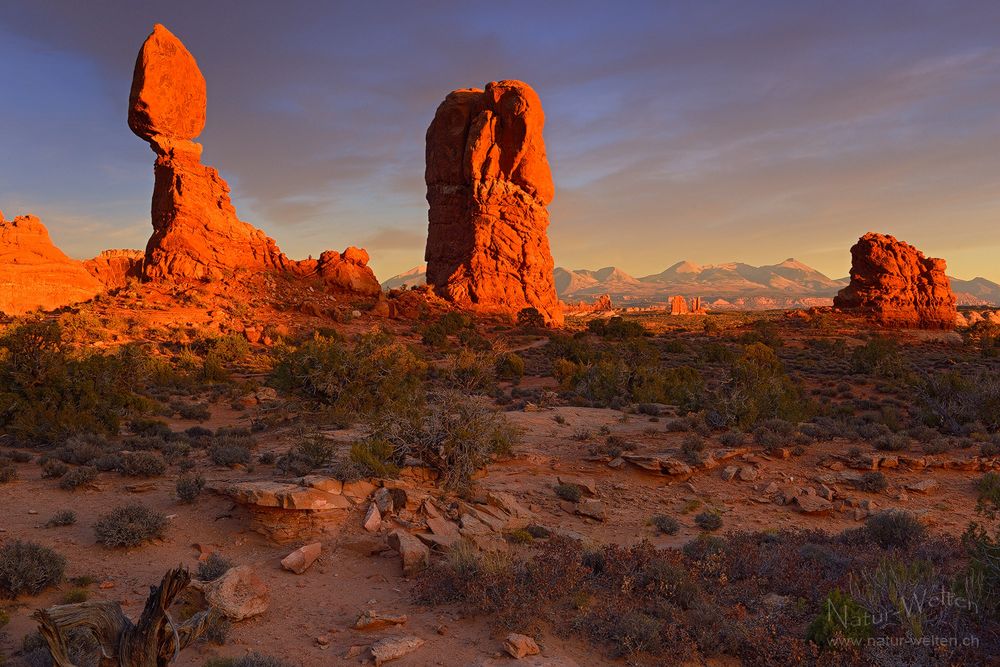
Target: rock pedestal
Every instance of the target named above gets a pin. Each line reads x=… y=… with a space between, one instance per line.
x=488 y=185
x=895 y=285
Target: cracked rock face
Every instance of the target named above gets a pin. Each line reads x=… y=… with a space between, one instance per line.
x=488 y=186
x=196 y=232
x=895 y=285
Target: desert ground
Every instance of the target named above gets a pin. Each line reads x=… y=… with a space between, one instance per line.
x=643 y=489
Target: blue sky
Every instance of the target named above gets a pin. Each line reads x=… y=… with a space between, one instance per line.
x=707 y=131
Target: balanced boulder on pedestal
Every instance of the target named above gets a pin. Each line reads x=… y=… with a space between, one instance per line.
x=196 y=233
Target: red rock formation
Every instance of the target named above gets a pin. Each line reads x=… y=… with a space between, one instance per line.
x=113 y=268
x=34 y=274
x=196 y=233
x=896 y=286
x=678 y=306
x=488 y=185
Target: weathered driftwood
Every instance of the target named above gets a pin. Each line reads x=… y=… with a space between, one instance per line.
x=154 y=641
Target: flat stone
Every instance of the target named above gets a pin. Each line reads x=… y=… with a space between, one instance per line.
x=923 y=486
x=284 y=496
x=238 y=594
x=587 y=485
x=391 y=648
x=593 y=508
x=373 y=620
x=813 y=504
x=328 y=484
x=302 y=558
x=747 y=473
x=729 y=472
x=359 y=490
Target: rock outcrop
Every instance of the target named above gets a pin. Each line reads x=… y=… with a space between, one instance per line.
x=34 y=273
x=895 y=285
x=488 y=185
x=196 y=233
x=113 y=268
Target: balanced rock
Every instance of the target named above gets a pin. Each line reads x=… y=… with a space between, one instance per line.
x=196 y=233
x=488 y=186
x=34 y=273
x=895 y=285
x=114 y=268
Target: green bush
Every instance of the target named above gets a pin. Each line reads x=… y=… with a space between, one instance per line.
x=230 y=450
x=510 y=366
x=879 y=356
x=988 y=491
x=8 y=472
x=49 y=392
x=372 y=375
x=129 y=526
x=759 y=389
x=26 y=567
x=373 y=458
x=570 y=492
x=894 y=528
x=667 y=525
x=842 y=616
x=530 y=318
x=953 y=401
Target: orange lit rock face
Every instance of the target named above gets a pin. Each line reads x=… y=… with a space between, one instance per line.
x=34 y=273
x=895 y=285
x=196 y=233
x=488 y=185
x=113 y=268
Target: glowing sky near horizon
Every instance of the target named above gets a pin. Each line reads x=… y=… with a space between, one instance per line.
x=706 y=131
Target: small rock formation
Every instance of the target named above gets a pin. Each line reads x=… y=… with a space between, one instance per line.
x=302 y=558
x=196 y=233
x=239 y=594
x=285 y=512
x=488 y=185
x=34 y=273
x=895 y=285
x=114 y=267
x=520 y=646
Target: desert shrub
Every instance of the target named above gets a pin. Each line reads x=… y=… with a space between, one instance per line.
x=763 y=332
x=229 y=450
x=894 y=528
x=75 y=596
x=254 y=659
x=983 y=549
x=891 y=443
x=510 y=366
x=189 y=487
x=616 y=328
x=758 y=389
x=8 y=471
x=953 y=401
x=143 y=464
x=667 y=525
x=53 y=469
x=842 y=616
x=372 y=458
x=77 y=477
x=708 y=521
x=213 y=567
x=129 y=526
x=49 y=392
x=733 y=439
x=473 y=372
x=693 y=448
x=61 y=518
x=879 y=356
x=108 y=462
x=452 y=433
x=570 y=492
x=372 y=375
x=988 y=491
x=26 y=567
x=530 y=318
x=872 y=482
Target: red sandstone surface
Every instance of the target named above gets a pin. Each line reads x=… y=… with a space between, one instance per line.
x=115 y=267
x=488 y=185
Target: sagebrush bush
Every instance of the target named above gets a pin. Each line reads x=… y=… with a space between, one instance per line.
x=129 y=526
x=213 y=567
x=77 y=477
x=667 y=525
x=61 y=518
x=189 y=487
x=143 y=464
x=371 y=375
x=840 y=615
x=570 y=492
x=872 y=482
x=708 y=521
x=758 y=389
x=228 y=450
x=8 y=472
x=26 y=567
x=894 y=528
x=452 y=433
